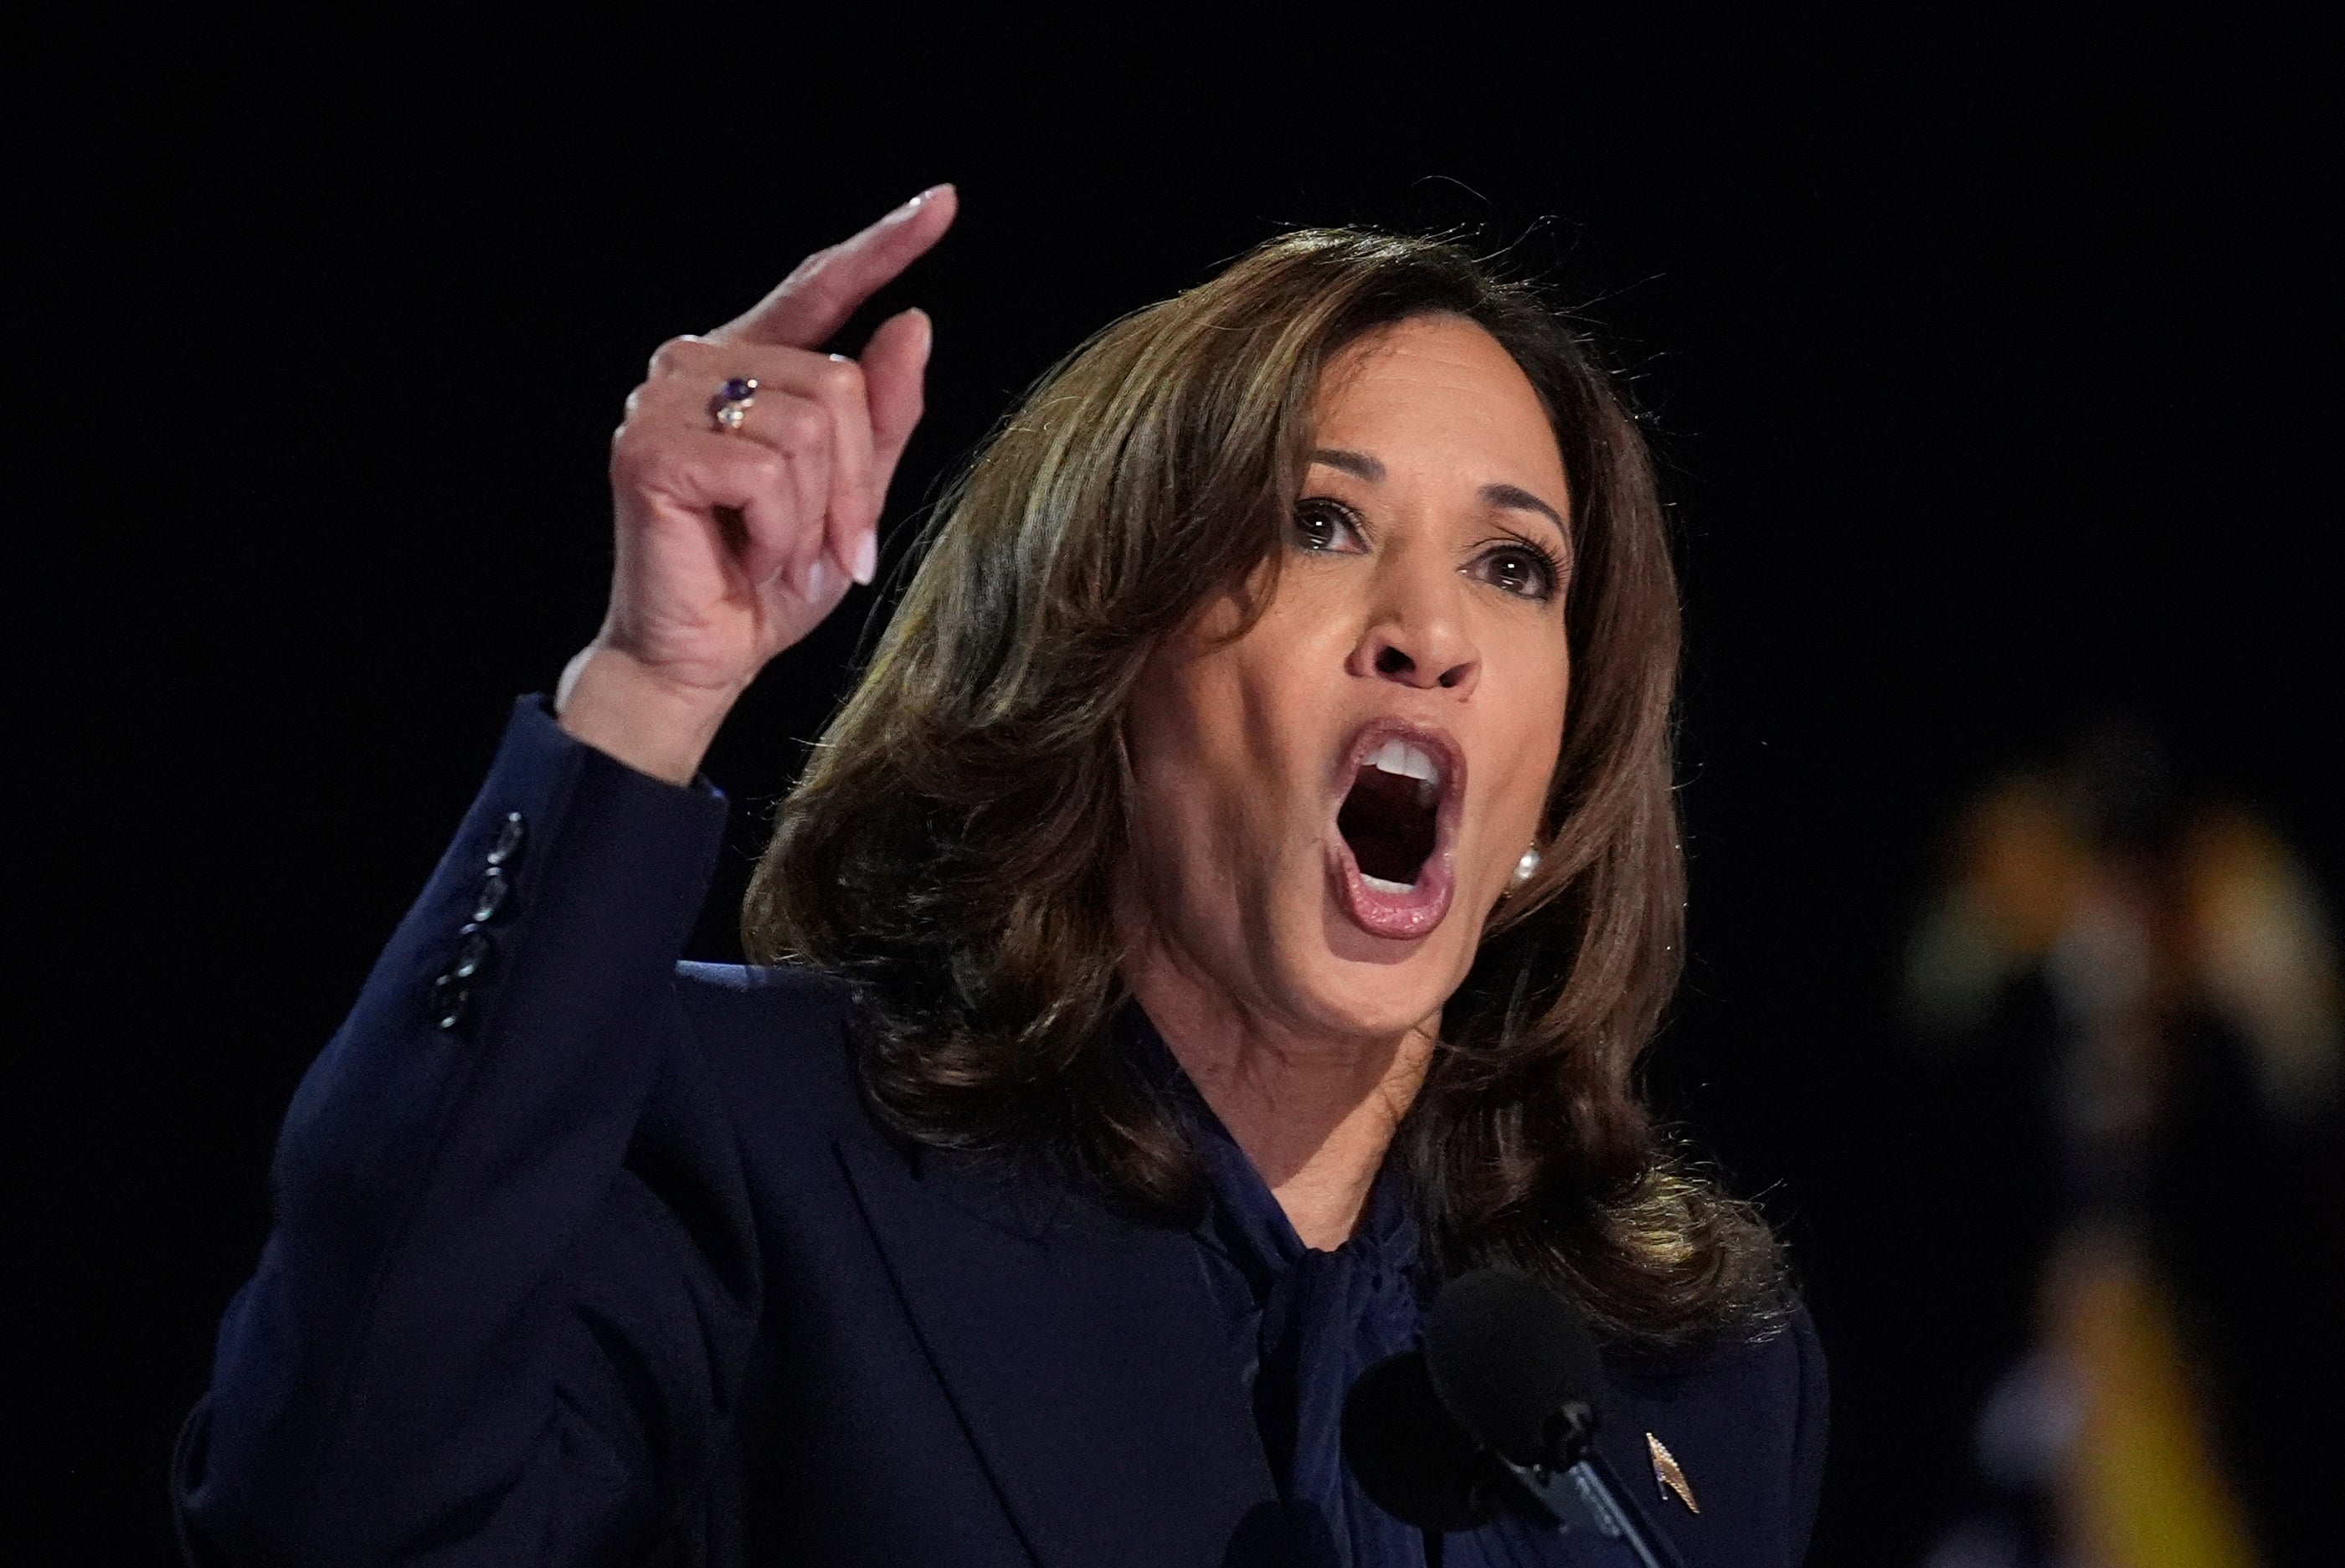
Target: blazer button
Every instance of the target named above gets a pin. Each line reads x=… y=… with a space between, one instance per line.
x=509 y=833
x=495 y=889
x=450 y=998
x=472 y=954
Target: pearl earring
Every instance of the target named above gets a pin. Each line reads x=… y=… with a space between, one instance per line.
x=1526 y=865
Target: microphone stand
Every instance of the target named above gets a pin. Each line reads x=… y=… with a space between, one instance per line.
x=1575 y=1486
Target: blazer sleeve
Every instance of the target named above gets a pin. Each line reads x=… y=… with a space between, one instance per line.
x=504 y=1307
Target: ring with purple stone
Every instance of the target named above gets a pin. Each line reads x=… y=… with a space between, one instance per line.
x=731 y=403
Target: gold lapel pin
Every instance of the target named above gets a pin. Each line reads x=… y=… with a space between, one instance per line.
x=1667 y=1476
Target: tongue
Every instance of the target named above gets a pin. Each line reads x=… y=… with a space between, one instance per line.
x=1390 y=834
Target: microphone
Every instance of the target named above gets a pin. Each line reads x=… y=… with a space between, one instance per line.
x=1498 y=1410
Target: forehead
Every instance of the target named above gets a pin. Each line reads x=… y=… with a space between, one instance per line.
x=1438 y=384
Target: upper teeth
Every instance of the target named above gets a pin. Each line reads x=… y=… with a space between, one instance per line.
x=1397 y=756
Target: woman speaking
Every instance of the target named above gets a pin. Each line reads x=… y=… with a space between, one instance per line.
x=1230 y=905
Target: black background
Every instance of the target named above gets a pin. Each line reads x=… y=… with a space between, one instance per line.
x=1988 y=359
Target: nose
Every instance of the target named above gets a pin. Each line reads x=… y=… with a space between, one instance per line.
x=1414 y=635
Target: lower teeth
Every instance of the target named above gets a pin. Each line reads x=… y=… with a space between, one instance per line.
x=1381 y=886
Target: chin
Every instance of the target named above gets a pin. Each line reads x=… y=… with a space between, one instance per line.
x=1379 y=999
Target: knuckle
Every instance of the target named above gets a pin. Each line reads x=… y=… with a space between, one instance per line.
x=811 y=266
x=841 y=377
x=674 y=355
x=769 y=470
x=800 y=423
x=628 y=462
x=636 y=452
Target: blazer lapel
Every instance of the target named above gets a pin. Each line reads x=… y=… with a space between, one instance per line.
x=1084 y=1357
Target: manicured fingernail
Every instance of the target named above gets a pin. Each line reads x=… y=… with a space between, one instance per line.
x=867 y=557
x=921 y=200
x=817 y=579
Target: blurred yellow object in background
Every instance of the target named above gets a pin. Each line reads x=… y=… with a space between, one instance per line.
x=2155 y=982
x=2144 y=1487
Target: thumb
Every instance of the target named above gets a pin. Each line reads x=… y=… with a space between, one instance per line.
x=894 y=368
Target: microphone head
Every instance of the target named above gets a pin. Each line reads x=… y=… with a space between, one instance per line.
x=1407 y=1452
x=1509 y=1359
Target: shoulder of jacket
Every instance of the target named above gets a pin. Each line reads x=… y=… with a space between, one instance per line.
x=1780 y=1354
x=753 y=1022
x=1726 y=1443
x=780 y=985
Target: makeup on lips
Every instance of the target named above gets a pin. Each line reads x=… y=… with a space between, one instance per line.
x=1395 y=828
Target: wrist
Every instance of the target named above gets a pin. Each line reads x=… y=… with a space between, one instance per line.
x=612 y=701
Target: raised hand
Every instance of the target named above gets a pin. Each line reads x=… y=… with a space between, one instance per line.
x=731 y=544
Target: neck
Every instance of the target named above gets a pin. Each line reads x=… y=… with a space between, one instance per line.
x=1313 y=1111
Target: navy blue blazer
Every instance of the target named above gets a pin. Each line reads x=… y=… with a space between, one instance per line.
x=581 y=1256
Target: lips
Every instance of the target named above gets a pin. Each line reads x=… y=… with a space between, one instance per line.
x=1392 y=847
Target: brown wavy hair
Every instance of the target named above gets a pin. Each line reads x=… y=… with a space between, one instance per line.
x=949 y=848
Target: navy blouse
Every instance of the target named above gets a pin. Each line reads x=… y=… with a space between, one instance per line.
x=1303 y=1325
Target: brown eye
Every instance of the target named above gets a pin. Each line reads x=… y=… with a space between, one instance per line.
x=1325 y=527
x=1519 y=570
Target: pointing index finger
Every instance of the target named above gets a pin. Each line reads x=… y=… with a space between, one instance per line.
x=816 y=300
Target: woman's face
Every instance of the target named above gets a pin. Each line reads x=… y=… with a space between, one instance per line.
x=1329 y=806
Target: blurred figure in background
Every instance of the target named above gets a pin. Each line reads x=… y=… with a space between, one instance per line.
x=2130 y=1001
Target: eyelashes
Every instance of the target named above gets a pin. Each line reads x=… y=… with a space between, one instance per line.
x=1543 y=573
x=1520 y=567
x=1321 y=524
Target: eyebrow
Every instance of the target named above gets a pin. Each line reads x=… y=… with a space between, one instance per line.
x=1511 y=498
x=1359 y=465
x=1514 y=499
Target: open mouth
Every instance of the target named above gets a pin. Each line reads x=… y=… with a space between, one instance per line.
x=1395 y=829
x=1391 y=816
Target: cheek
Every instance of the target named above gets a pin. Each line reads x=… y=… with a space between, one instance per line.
x=1192 y=733
x=1515 y=820
x=1252 y=711
x=1534 y=747
x=1162 y=734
